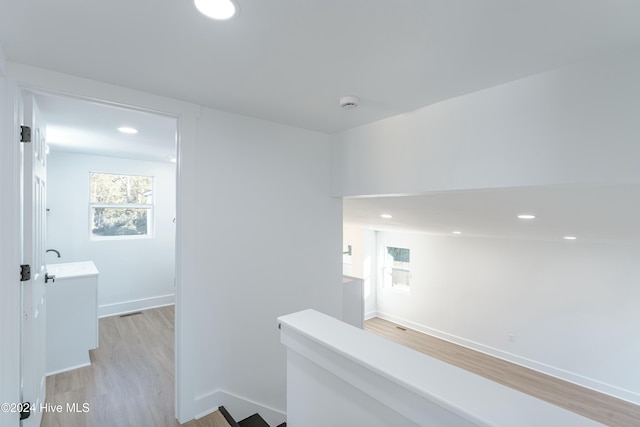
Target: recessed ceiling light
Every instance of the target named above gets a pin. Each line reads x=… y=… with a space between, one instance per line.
x=216 y=9
x=570 y=238
x=386 y=216
x=457 y=232
x=526 y=216
x=128 y=130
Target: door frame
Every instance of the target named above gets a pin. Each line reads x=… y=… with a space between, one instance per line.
x=22 y=77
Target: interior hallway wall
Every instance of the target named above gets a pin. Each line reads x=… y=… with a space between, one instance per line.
x=577 y=124
x=260 y=236
x=268 y=244
x=134 y=273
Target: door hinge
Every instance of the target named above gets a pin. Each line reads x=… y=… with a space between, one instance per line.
x=25 y=134
x=25 y=410
x=25 y=272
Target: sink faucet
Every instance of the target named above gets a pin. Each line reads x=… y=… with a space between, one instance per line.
x=53 y=250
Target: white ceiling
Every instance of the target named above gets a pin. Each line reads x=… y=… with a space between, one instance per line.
x=290 y=61
x=591 y=213
x=88 y=127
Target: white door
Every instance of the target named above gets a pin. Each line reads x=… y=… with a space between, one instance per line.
x=33 y=252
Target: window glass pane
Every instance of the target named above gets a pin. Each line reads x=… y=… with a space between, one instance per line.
x=399 y=254
x=119 y=221
x=119 y=189
x=397 y=264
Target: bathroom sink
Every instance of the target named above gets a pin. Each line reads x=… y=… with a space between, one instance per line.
x=72 y=269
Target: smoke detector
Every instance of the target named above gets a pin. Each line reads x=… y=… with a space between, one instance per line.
x=349 y=102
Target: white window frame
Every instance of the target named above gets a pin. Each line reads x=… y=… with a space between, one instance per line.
x=149 y=206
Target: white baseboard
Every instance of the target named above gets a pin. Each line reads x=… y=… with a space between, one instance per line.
x=238 y=407
x=71 y=368
x=571 y=377
x=135 y=305
x=370 y=315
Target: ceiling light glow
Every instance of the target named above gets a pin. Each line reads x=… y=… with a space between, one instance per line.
x=128 y=130
x=457 y=232
x=386 y=216
x=216 y=9
x=570 y=238
x=526 y=216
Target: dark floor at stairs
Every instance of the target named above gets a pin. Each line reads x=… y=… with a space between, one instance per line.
x=254 y=420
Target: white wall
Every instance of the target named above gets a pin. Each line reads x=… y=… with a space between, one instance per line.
x=259 y=236
x=571 y=305
x=578 y=124
x=134 y=273
x=269 y=244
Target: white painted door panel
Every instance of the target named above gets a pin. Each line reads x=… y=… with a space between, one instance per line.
x=33 y=252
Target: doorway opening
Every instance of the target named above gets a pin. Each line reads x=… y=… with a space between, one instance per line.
x=137 y=271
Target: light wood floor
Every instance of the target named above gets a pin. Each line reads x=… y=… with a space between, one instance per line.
x=591 y=404
x=130 y=382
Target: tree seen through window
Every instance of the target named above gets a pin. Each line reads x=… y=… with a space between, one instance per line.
x=121 y=205
x=397 y=268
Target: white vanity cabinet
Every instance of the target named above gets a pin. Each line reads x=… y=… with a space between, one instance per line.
x=72 y=315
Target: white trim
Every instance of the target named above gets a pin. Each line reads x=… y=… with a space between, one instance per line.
x=239 y=407
x=568 y=376
x=186 y=271
x=54 y=83
x=370 y=315
x=59 y=371
x=125 y=307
